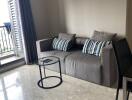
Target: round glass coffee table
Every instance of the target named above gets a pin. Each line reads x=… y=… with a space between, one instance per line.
x=45 y=61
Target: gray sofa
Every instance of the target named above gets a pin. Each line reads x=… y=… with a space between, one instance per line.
x=100 y=70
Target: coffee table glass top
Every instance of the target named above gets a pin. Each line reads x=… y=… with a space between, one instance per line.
x=48 y=60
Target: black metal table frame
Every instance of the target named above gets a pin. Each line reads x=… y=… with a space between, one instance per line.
x=46 y=77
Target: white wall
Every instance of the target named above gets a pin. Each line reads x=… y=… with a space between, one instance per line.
x=85 y=16
x=79 y=16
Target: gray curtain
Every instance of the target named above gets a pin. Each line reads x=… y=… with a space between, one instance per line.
x=28 y=31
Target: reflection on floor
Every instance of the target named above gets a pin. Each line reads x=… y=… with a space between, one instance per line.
x=10 y=87
x=21 y=84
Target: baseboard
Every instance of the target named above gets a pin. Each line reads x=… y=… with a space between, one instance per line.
x=12 y=65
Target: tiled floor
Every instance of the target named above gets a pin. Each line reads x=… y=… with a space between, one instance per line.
x=21 y=84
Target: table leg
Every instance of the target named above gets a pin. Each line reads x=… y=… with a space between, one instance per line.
x=44 y=71
x=41 y=75
x=60 y=70
x=124 y=88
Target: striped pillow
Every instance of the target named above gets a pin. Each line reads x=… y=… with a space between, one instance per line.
x=94 y=47
x=61 y=44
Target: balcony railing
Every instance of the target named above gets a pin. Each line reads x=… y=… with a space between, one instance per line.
x=6 y=41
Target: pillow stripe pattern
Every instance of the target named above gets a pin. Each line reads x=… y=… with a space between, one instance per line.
x=99 y=47
x=94 y=47
x=60 y=44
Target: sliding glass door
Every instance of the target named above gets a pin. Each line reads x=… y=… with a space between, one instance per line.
x=11 y=44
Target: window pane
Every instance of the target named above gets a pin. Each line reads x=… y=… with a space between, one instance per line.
x=2 y=95
x=0 y=86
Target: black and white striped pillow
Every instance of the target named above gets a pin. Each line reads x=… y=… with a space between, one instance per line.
x=61 y=44
x=94 y=47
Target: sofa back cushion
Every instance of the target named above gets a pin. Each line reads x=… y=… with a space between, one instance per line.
x=94 y=47
x=80 y=41
x=61 y=44
x=46 y=45
x=103 y=36
x=66 y=36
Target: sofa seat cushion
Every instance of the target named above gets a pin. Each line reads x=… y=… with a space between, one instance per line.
x=61 y=54
x=57 y=53
x=84 y=66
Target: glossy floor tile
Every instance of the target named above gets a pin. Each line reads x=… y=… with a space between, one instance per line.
x=21 y=84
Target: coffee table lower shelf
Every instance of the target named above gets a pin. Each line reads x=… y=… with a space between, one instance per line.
x=40 y=82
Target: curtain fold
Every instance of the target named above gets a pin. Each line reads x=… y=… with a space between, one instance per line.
x=29 y=32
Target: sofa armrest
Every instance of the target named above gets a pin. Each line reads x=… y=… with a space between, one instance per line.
x=109 y=66
x=44 y=45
